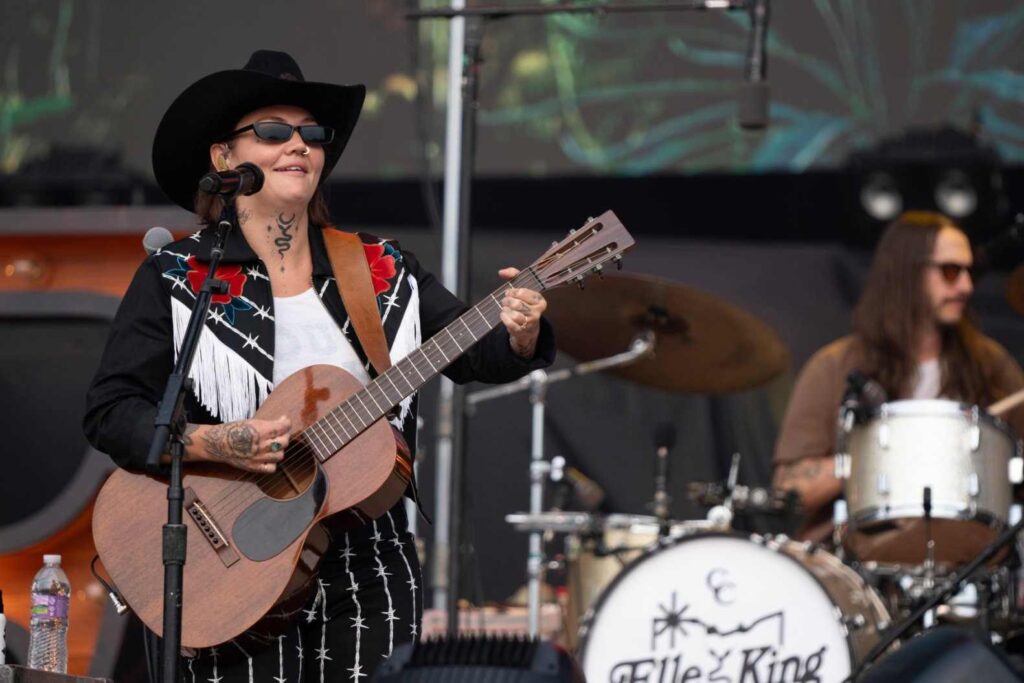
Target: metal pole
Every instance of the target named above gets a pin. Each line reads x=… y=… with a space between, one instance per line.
x=449 y=276
x=539 y=469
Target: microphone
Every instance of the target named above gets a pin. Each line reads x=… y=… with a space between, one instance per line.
x=588 y=492
x=863 y=395
x=753 y=94
x=156 y=238
x=246 y=179
x=1003 y=249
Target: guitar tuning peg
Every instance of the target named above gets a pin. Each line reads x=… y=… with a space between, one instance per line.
x=554 y=244
x=579 y=281
x=618 y=261
x=599 y=270
x=572 y=231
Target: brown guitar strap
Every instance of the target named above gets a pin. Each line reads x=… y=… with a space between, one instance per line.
x=352 y=273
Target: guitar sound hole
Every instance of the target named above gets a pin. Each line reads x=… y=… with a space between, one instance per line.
x=294 y=474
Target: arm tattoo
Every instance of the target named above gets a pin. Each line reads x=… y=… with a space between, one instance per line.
x=802 y=469
x=230 y=441
x=284 y=242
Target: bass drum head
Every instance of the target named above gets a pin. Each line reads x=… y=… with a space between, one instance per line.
x=727 y=607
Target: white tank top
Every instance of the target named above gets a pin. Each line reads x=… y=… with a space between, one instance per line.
x=305 y=334
x=928 y=381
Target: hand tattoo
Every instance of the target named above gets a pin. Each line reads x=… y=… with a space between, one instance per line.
x=230 y=442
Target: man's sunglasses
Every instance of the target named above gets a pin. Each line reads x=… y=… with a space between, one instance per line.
x=278 y=132
x=950 y=271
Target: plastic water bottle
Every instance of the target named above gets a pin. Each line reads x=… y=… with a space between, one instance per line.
x=48 y=625
x=3 y=628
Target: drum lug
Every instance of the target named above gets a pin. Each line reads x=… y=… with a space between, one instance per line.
x=842 y=465
x=973 y=485
x=974 y=435
x=883 y=428
x=854 y=623
x=1016 y=467
x=882 y=484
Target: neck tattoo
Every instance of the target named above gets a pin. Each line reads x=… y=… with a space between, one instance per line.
x=284 y=242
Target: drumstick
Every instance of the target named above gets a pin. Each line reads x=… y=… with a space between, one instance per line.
x=1004 y=404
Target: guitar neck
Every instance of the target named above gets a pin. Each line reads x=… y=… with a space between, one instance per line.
x=347 y=420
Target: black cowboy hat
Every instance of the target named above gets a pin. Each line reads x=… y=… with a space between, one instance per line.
x=209 y=109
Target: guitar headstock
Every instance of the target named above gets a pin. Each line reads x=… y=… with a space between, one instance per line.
x=583 y=252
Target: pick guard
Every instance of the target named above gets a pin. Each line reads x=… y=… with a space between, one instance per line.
x=269 y=526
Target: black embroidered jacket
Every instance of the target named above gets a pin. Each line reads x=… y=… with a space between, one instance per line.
x=233 y=368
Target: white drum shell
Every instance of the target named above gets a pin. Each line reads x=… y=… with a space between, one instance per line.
x=745 y=609
x=961 y=454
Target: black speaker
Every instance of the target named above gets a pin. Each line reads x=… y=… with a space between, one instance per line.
x=480 y=659
x=943 y=655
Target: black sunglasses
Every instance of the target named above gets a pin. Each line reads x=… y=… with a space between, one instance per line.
x=278 y=131
x=950 y=271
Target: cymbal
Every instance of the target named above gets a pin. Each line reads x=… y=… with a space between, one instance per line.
x=702 y=345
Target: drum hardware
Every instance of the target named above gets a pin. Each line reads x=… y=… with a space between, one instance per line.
x=664 y=441
x=751 y=500
x=537 y=382
x=958 y=581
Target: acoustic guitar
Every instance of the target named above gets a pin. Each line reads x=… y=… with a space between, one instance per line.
x=253 y=539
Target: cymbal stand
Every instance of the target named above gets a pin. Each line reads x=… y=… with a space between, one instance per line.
x=538 y=382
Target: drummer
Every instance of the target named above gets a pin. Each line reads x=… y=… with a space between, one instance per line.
x=911 y=336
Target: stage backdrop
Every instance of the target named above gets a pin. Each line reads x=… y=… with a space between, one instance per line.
x=84 y=82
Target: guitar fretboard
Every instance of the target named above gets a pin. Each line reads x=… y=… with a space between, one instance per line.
x=350 y=418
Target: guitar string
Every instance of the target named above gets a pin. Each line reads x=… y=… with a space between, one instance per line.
x=300 y=453
x=275 y=481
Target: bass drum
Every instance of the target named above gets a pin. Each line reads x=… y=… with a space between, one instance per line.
x=730 y=607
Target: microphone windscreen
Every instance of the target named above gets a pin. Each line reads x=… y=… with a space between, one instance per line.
x=753 y=105
x=156 y=238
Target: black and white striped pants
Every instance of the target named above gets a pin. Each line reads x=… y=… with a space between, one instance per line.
x=369 y=601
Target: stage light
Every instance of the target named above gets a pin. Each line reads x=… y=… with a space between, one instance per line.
x=880 y=197
x=955 y=195
x=928 y=169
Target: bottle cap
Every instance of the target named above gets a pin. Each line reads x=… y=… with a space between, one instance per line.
x=51 y=559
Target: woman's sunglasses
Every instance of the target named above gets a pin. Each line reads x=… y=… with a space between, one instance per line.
x=950 y=271
x=278 y=132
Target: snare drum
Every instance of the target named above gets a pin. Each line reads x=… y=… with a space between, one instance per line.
x=727 y=607
x=962 y=455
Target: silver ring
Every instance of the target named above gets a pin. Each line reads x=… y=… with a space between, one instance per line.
x=275 y=446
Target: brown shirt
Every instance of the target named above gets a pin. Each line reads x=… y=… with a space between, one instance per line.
x=809 y=426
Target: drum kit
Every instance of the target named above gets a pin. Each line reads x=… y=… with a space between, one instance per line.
x=928 y=493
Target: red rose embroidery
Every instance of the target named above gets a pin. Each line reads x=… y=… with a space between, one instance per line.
x=233 y=275
x=382 y=268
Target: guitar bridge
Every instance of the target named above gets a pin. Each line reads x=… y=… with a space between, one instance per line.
x=211 y=532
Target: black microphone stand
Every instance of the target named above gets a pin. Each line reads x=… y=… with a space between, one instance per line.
x=954 y=584
x=170 y=426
